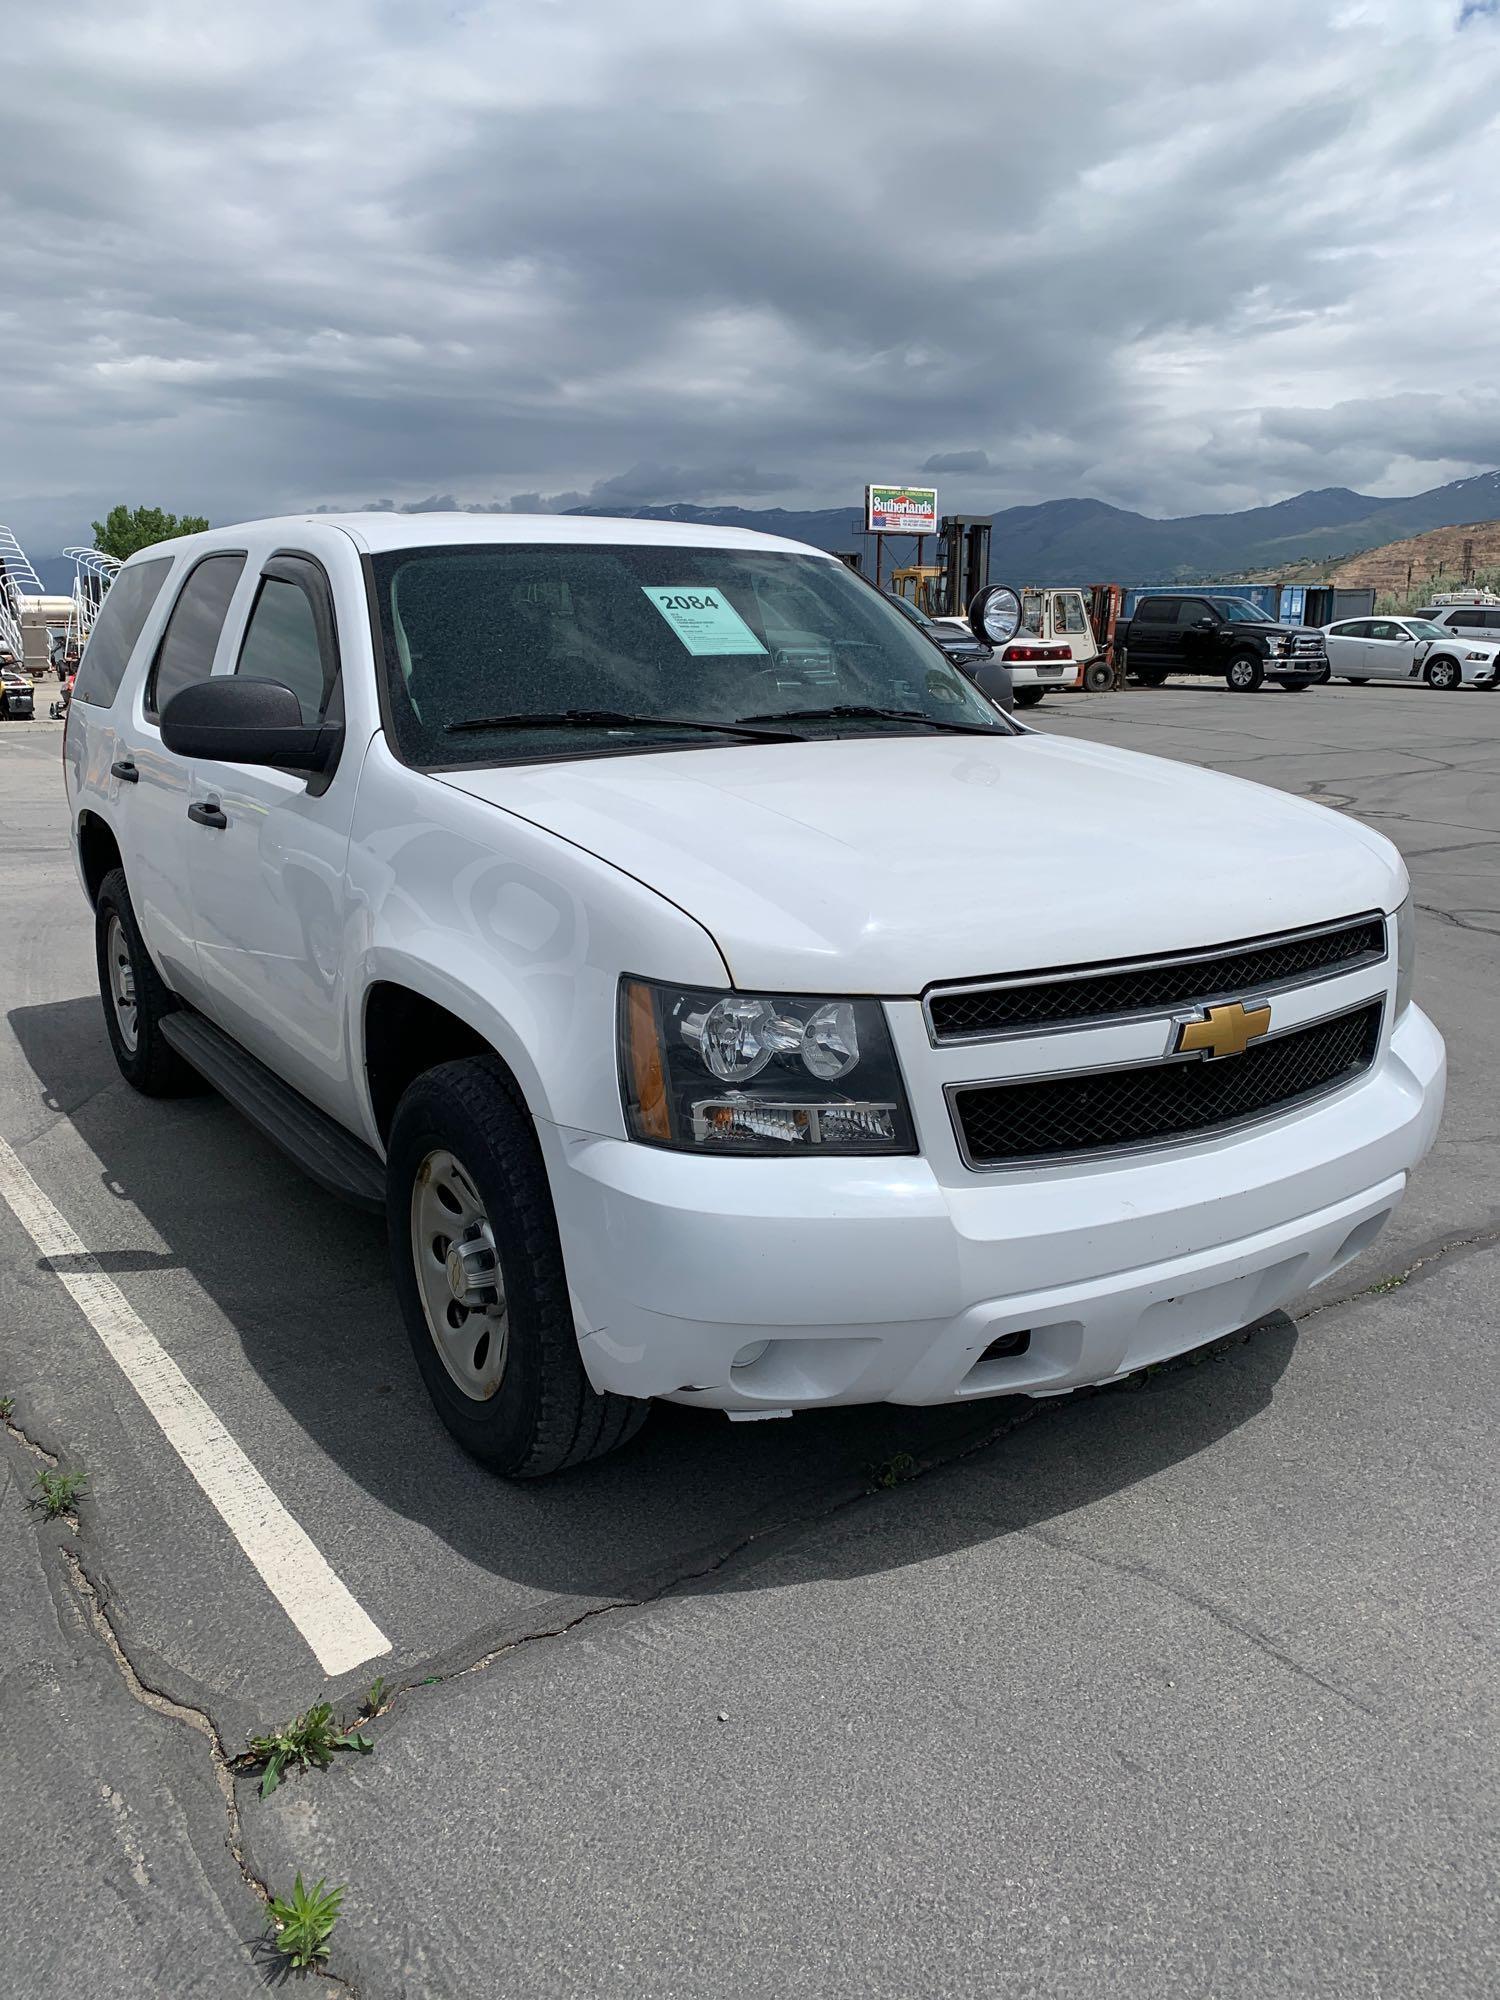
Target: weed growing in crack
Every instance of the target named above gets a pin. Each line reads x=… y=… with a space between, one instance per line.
x=374 y=1696
x=311 y=1740
x=891 y=1471
x=7 y=1408
x=57 y=1492
x=303 y=1922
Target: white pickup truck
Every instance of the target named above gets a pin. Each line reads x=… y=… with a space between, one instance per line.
x=721 y=999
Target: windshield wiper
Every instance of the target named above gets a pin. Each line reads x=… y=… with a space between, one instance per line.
x=854 y=710
x=608 y=718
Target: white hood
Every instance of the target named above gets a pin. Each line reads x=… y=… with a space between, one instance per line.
x=883 y=864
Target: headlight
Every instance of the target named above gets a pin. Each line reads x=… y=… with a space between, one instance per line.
x=1405 y=921
x=1476 y=656
x=719 y=1072
x=1282 y=645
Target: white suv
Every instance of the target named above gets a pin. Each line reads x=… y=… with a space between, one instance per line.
x=722 y=1001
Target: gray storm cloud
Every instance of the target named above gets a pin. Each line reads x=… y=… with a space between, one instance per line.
x=754 y=250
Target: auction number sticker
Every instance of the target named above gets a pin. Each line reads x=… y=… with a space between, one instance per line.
x=703 y=619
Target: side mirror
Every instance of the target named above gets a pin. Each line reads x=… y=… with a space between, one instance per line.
x=235 y=721
x=1208 y=624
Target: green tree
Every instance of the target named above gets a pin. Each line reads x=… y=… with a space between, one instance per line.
x=126 y=529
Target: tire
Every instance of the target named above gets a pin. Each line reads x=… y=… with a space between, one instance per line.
x=1098 y=676
x=1298 y=687
x=1443 y=674
x=1150 y=677
x=1028 y=697
x=1244 y=674
x=1358 y=680
x=147 y=1062
x=525 y=1407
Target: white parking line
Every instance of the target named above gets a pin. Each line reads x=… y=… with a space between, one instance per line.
x=338 y=1629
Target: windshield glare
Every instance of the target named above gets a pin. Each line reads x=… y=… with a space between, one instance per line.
x=1240 y=611
x=1425 y=629
x=505 y=629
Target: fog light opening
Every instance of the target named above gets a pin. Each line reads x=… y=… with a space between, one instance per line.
x=1007 y=1345
x=750 y=1354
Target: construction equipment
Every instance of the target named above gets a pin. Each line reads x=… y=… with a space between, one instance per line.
x=93 y=573
x=18 y=581
x=920 y=584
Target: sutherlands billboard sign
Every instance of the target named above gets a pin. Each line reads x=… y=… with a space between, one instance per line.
x=901 y=510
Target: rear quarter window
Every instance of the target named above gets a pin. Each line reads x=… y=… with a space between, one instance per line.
x=122 y=616
x=1157 y=610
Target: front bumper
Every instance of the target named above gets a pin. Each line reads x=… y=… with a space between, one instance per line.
x=874 y=1281
x=1310 y=672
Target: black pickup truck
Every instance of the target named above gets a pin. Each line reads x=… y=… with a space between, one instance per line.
x=1172 y=632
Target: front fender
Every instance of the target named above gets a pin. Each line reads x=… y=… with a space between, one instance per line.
x=513 y=929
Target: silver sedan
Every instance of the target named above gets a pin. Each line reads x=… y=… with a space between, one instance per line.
x=1408 y=649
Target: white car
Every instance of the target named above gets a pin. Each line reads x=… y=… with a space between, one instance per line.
x=762 y=1022
x=1408 y=649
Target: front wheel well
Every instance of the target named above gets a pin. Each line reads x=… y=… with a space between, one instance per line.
x=407 y=1034
x=98 y=852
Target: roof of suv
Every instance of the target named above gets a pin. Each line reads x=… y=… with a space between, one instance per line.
x=377 y=532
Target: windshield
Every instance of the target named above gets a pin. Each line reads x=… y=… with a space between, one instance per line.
x=610 y=646
x=1424 y=628
x=1240 y=611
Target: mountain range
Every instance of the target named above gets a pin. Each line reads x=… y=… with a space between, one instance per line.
x=1088 y=541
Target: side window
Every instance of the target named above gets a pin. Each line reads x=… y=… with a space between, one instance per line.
x=1361 y=628
x=186 y=652
x=1382 y=628
x=290 y=635
x=1157 y=610
x=1191 y=609
x=126 y=607
x=1069 y=607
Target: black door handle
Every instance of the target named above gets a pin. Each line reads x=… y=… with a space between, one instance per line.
x=206 y=812
x=123 y=768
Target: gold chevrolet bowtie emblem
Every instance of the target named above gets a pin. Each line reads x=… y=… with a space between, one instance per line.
x=1223 y=1031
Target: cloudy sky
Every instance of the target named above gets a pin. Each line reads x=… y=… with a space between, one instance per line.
x=756 y=251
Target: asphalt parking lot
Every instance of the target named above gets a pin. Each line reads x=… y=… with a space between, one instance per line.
x=1184 y=1688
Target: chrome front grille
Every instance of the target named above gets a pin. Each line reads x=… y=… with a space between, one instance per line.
x=1039 y=1002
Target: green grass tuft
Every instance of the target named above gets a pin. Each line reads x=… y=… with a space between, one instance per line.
x=58 y=1492
x=303 y=1923
x=311 y=1740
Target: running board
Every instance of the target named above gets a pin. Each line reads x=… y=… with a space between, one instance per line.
x=324 y=1151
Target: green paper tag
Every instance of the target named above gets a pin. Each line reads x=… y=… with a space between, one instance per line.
x=703 y=619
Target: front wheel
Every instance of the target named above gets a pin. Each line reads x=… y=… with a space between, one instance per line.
x=1443 y=674
x=1244 y=674
x=479 y=1272
x=1028 y=697
x=1098 y=676
x=136 y=999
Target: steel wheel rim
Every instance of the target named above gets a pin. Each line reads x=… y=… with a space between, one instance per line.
x=459 y=1279
x=1443 y=676
x=122 y=985
x=1241 y=674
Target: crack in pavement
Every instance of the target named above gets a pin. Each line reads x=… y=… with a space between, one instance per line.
x=1242 y=1627
x=189 y=1717
x=93 y=1603
x=1421 y=1265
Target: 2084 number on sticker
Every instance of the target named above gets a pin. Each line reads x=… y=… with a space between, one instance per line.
x=703 y=619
